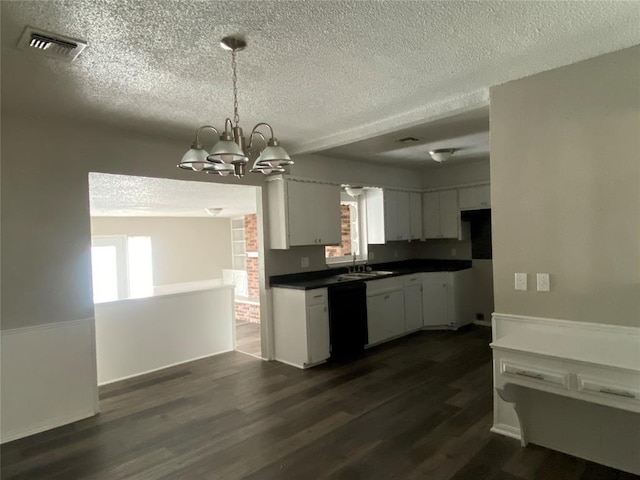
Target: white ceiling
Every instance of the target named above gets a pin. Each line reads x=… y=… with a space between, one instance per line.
x=467 y=133
x=127 y=196
x=324 y=73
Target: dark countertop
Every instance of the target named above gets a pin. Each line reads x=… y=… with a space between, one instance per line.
x=329 y=277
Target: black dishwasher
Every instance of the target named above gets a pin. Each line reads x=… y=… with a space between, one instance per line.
x=347 y=319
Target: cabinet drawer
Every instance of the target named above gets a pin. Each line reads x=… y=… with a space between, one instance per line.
x=409 y=280
x=316 y=297
x=609 y=390
x=534 y=375
x=384 y=285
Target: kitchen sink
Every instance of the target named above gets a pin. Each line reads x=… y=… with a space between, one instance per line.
x=364 y=275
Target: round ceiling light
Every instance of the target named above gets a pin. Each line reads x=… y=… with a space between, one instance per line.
x=441 y=154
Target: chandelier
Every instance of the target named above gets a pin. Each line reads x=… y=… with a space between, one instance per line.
x=231 y=153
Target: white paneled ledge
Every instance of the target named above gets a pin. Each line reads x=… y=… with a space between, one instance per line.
x=569 y=386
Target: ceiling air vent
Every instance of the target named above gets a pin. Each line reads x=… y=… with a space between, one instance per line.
x=51 y=44
x=408 y=140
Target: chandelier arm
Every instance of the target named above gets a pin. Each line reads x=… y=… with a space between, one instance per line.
x=254 y=132
x=197 y=142
x=228 y=123
x=263 y=124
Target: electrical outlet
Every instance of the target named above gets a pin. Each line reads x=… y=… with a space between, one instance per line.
x=304 y=262
x=542 y=280
x=371 y=255
x=395 y=254
x=521 y=281
x=453 y=252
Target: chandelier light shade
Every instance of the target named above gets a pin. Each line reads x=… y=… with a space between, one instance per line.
x=231 y=153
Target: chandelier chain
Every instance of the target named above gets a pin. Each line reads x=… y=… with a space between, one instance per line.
x=236 y=116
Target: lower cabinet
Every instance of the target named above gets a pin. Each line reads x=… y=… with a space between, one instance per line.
x=301 y=326
x=385 y=309
x=413 y=303
x=445 y=299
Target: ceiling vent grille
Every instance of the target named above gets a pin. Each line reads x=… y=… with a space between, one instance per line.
x=51 y=44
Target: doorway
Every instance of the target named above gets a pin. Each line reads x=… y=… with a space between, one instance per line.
x=196 y=276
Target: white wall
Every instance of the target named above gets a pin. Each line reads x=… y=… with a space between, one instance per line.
x=565 y=186
x=140 y=335
x=178 y=244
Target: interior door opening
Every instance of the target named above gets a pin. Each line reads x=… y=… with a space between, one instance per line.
x=176 y=272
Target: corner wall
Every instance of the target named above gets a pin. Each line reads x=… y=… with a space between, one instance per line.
x=565 y=186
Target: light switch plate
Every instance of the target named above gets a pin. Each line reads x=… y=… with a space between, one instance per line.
x=304 y=262
x=542 y=280
x=521 y=281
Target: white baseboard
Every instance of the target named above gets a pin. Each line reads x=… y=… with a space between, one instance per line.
x=165 y=367
x=48 y=377
x=507 y=431
x=10 y=436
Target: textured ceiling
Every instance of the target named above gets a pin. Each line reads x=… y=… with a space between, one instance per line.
x=324 y=73
x=126 y=196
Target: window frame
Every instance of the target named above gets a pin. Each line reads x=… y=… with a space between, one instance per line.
x=362 y=256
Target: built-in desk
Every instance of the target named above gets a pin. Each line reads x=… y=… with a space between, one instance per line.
x=574 y=387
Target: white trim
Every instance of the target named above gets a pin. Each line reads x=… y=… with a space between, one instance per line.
x=602 y=327
x=47 y=425
x=165 y=367
x=507 y=431
x=44 y=326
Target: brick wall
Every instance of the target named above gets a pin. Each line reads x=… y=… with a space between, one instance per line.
x=250 y=312
x=345 y=223
x=247 y=312
x=251 y=233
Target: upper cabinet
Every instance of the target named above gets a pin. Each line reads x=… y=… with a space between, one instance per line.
x=474 y=198
x=391 y=215
x=440 y=214
x=303 y=213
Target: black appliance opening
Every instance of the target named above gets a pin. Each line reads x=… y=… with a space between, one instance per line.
x=348 y=320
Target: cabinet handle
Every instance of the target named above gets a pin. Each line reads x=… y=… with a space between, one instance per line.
x=318 y=296
x=412 y=279
x=525 y=373
x=619 y=393
x=386 y=297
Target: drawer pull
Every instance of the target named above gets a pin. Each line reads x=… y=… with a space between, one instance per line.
x=525 y=373
x=318 y=296
x=619 y=393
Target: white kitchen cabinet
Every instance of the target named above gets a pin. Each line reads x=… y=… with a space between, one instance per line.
x=440 y=214
x=434 y=299
x=385 y=309
x=303 y=213
x=415 y=216
x=388 y=215
x=301 y=326
x=445 y=299
x=474 y=198
x=412 y=302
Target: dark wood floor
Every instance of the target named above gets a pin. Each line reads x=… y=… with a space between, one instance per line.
x=419 y=407
x=248 y=338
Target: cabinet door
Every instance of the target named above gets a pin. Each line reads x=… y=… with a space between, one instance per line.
x=404 y=215
x=431 y=215
x=326 y=200
x=318 y=333
x=391 y=231
x=474 y=198
x=449 y=214
x=434 y=299
x=413 y=307
x=301 y=224
x=415 y=216
x=376 y=318
x=314 y=213
x=394 y=310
